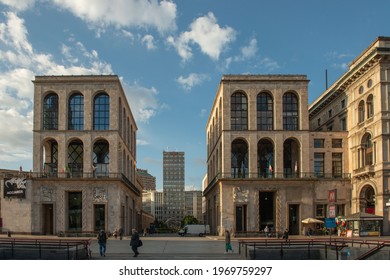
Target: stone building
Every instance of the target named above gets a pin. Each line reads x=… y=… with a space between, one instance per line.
x=193 y=204
x=359 y=103
x=84 y=160
x=148 y=180
x=264 y=165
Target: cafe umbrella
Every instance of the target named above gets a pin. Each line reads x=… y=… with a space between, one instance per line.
x=312 y=221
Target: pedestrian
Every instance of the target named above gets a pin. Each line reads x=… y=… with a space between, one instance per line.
x=266 y=231
x=285 y=234
x=134 y=243
x=120 y=233
x=102 y=240
x=228 y=245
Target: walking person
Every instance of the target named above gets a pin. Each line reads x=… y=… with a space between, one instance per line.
x=266 y=231
x=102 y=240
x=228 y=245
x=134 y=243
x=285 y=234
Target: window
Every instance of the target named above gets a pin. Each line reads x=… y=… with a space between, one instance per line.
x=239 y=112
x=265 y=158
x=290 y=111
x=337 y=160
x=329 y=128
x=321 y=210
x=361 y=89
x=319 y=143
x=76 y=112
x=337 y=143
x=361 y=111
x=343 y=124
x=370 y=106
x=264 y=112
x=318 y=121
x=319 y=164
x=75 y=158
x=343 y=103
x=369 y=83
x=239 y=159
x=101 y=113
x=367 y=150
x=50 y=112
x=330 y=113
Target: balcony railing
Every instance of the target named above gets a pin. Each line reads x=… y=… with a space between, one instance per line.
x=365 y=171
x=281 y=176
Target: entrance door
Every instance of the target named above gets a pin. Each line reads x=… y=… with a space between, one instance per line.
x=100 y=215
x=266 y=210
x=241 y=218
x=48 y=219
x=293 y=219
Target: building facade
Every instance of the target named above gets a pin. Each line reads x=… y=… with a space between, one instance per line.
x=153 y=203
x=148 y=181
x=193 y=205
x=173 y=187
x=84 y=160
x=359 y=103
x=264 y=166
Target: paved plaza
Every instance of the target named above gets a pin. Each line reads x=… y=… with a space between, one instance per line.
x=168 y=247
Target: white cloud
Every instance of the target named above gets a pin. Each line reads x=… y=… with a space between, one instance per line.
x=143 y=101
x=249 y=51
x=270 y=64
x=207 y=34
x=192 y=80
x=19 y=5
x=148 y=40
x=123 y=13
x=19 y=64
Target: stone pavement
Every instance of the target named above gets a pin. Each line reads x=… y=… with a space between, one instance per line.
x=167 y=247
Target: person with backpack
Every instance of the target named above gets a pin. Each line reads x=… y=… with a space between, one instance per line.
x=102 y=240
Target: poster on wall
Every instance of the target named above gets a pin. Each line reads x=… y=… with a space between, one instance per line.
x=15 y=187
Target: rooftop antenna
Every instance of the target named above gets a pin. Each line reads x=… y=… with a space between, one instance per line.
x=326 y=79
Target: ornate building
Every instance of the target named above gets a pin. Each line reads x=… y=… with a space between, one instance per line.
x=84 y=160
x=264 y=165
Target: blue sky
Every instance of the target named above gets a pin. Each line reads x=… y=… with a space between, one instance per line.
x=170 y=56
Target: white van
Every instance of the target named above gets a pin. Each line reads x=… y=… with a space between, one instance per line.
x=200 y=230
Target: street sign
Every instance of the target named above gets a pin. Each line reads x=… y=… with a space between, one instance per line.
x=330 y=222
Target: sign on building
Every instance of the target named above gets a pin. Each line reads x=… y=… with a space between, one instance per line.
x=15 y=187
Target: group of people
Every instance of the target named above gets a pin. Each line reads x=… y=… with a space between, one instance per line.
x=135 y=241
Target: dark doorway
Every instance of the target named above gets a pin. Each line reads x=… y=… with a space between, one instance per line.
x=266 y=210
x=293 y=219
x=48 y=228
x=99 y=217
x=241 y=218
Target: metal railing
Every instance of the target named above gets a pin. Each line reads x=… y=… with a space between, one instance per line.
x=25 y=248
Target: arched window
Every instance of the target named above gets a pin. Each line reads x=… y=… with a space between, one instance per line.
x=265 y=111
x=361 y=111
x=367 y=150
x=370 y=106
x=239 y=111
x=101 y=112
x=76 y=112
x=75 y=158
x=50 y=112
x=101 y=158
x=265 y=159
x=50 y=156
x=291 y=158
x=239 y=159
x=367 y=200
x=290 y=111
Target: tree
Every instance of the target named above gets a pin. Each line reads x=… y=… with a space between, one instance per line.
x=189 y=220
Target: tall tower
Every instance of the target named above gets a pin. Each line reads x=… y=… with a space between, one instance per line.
x=173 y=187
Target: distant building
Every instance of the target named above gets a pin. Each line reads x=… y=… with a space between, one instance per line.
x=152 y=202
x=148 y=181
x=173 y=187
x=193 y=204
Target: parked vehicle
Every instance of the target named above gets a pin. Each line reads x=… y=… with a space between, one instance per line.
x=200 y=230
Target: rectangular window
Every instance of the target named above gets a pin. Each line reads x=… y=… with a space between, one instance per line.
x=319 y=164
x=343 y=103
x=330 y=113
x=337 y=165
x=319 y=143
x=321 y=210
x=343 y=124
x=337 y=143
x=340 y=210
